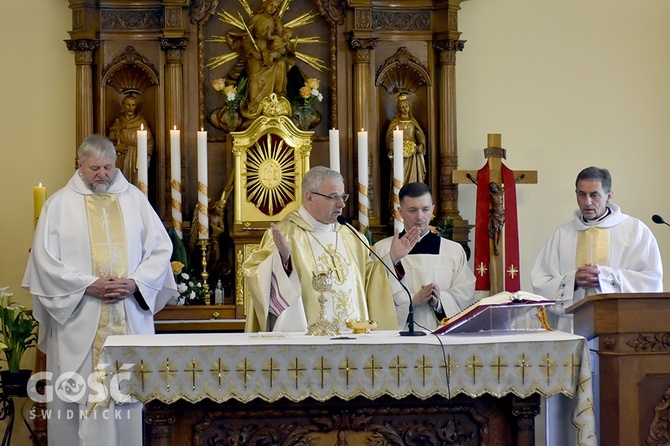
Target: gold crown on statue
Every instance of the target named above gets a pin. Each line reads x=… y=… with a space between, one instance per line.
x=402 y=97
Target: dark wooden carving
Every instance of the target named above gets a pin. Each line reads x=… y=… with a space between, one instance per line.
x=402 y=72
x=131 y=19
x=385 y=421
x=401 y=20
x=659 y=431
x=654 y=342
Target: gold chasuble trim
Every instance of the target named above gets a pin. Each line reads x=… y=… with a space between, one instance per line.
x=109 y=258
x=593 y=247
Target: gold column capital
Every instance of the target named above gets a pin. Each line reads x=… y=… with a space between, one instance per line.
x=361 y=43
x=83 y=49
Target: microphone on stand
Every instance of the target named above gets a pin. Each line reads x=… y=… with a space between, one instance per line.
x=410 y=319
x=659 y=220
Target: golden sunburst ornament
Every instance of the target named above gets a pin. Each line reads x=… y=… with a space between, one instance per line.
x=270 y=176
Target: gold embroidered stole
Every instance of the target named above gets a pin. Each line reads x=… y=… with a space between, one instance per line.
x=109 y=258
x=593 y=247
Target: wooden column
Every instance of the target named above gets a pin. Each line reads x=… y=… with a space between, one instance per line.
x=174 y=82
x=448 y=206
x=83 y=60
x=362 y=80
x=174 y=100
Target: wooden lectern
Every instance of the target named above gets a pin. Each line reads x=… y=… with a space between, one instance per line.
x=632 y=334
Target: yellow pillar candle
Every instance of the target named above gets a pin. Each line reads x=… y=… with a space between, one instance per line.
x=39 y=197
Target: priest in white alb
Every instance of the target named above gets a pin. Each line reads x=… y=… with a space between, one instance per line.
x=99 y=266
x=602 y=250
x=435 y=272
x=310 y=241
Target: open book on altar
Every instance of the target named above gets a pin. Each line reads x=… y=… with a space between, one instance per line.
x=502 y=311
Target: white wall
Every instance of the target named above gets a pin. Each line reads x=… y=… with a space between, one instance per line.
x=568 y=84
x=36 y=123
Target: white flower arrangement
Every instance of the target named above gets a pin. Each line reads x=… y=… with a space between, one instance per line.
x=189 y=290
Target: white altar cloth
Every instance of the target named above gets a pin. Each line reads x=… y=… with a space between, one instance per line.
x=271 y=366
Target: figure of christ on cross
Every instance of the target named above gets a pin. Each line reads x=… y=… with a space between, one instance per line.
x=496 y=207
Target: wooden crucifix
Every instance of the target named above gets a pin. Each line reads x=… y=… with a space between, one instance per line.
x=496 y=229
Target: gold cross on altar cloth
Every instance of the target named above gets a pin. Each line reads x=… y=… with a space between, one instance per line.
x=494 y=154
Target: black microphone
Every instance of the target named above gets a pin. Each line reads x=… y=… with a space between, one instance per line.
x=659 y=220
x=410 y=318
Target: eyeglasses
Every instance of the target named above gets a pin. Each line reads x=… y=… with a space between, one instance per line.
x=332 y=198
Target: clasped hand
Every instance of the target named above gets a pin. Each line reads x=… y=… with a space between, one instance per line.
x=111 y=289
x=587 y=276
x=427 y=293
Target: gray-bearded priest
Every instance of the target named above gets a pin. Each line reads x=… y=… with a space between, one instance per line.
x=310 y=241
x=99 y=266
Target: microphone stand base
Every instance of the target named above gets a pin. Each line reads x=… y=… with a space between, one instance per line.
x=412 y=333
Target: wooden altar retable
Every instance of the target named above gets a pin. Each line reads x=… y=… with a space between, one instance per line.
x=277 y=388
x=631 y=334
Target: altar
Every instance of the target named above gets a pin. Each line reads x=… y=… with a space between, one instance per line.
x=287 y=388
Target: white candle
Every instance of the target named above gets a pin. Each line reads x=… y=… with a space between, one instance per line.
x=363 y=178
x=175 y=169
x=398 y=173
x=203 y=199
x=334 y=140
x=142 y=163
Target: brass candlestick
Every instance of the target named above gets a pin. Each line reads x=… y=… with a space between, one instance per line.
x=322 y=283
x=204 y=243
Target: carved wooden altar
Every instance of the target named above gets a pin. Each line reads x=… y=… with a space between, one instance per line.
x=363 y=53
x=289 y=388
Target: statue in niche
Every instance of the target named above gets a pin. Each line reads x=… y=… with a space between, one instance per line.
x=217 y=228
x=123 y=134
x=267 y=51
x=414 y=141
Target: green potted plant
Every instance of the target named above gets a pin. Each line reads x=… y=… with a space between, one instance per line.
x=18 y=333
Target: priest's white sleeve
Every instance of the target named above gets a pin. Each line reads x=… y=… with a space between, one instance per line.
x=282 y=294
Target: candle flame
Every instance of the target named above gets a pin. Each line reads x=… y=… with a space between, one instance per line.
x=202 y=129
x=40 y=185
x=175 y=127
x=142 y=127
x=397 y=128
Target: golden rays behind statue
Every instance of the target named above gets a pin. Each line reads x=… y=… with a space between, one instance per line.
x=264 y=49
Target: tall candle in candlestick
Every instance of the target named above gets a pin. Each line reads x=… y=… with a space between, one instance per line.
x=334 y=140
x=39 y=197
x=142 y=162
x=363 y=202
x=175 y=183
x=203 y=199
x=398 y=175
